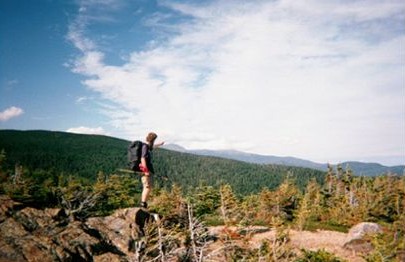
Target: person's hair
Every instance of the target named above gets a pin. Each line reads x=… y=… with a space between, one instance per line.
x=150 y=138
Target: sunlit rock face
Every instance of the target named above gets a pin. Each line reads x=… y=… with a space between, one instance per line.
x=28 y=234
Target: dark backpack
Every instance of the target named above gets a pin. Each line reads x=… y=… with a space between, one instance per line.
x=134 y=155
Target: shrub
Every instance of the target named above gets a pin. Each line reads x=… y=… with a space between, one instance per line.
x=317 y=256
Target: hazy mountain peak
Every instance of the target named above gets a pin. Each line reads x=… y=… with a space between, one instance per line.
x=359 y=168
x=174 y=147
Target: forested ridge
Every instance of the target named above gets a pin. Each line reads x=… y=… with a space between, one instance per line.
x=73 y=154
x=78 y=173
x=86 y=155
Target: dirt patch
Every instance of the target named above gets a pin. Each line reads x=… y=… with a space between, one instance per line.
x=330 y=241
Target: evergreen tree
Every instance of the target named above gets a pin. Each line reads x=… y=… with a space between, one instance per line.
x=229 y=205
x=249 y=210
x=2 y=158
x=267 y=201
x=309 y=207
x=169 y=202
x=3 y=176
x=205 y=200
x=116 y=191
x=287 y=195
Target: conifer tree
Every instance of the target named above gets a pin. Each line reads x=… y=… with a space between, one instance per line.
x=2 y=158
x=267 y=201
x=3 y=177
x=309 y=207
x=330 y=179
x=303 y=212
x=205 y=200
x=249 y=210
x=229 y=205
x=287 y=195
x=115 y=191
x=169 y=202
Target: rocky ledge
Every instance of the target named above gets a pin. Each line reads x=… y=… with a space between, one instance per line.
x=29 y=234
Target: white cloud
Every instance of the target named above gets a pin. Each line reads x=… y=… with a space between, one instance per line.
x=88 y=130
x=318 y=81
x=11 y=83
x=10 y=112
x=81 y=99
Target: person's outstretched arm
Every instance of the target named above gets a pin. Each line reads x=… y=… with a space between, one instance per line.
x=158 y=144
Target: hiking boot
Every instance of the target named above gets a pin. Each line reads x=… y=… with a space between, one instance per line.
x=144 y=204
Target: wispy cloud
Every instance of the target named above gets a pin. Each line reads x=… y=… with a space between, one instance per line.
x=81 y=99
x=88 y=130
x=12 y=82
x=10 y=112
x=316 y=80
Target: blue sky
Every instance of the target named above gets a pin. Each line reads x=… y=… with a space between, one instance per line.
x=319 y=80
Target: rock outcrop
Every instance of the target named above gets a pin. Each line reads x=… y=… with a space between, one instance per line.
x=28 y=234
x=356 y=237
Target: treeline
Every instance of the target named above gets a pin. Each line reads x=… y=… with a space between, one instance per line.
x=190 y=171
x=73 y=154
x=339 y=202
x=84 y=156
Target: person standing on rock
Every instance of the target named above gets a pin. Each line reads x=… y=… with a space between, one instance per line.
x=146 y=166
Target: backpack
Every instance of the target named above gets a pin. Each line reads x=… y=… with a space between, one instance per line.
x=134 y=155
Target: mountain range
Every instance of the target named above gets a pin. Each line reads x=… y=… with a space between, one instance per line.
x=52 y=155
x=86 y=154
x=359 y=168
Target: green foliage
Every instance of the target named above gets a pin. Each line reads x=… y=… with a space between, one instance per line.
x=86 y=155
x=205 y=200
x=76 y=199
x=389 y=246
x=31 y=188
x=229 y=207
x=3 y=176
x=317 y=256
x=313 y=225
x=276 y=250
x=249 y=209
x=347 y=200
x=168 y=202
x=341 y=202
x=388 y=198
x=116 y=191
x=309 y=206
x=80 y=155
x=76 y=172
x=2 y=158
x=191 y=171
x=280 y=203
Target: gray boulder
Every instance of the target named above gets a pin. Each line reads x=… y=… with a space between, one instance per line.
x=356 y=238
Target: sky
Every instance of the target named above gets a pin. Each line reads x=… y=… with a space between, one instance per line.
x=318 y=80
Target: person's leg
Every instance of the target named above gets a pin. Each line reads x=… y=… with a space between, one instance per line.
x=146 y=190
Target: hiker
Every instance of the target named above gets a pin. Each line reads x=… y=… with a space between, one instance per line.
x=146 y=166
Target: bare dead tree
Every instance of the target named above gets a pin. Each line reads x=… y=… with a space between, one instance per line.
x=18 y=172
x=191 y=230
x=161 y=243
x=77 y=203
x=198 y=235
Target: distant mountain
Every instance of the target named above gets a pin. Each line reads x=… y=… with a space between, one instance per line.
x=65 y=154
x=175 y=147
x=373 y=169
x=261 y=159
x=359 y=168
